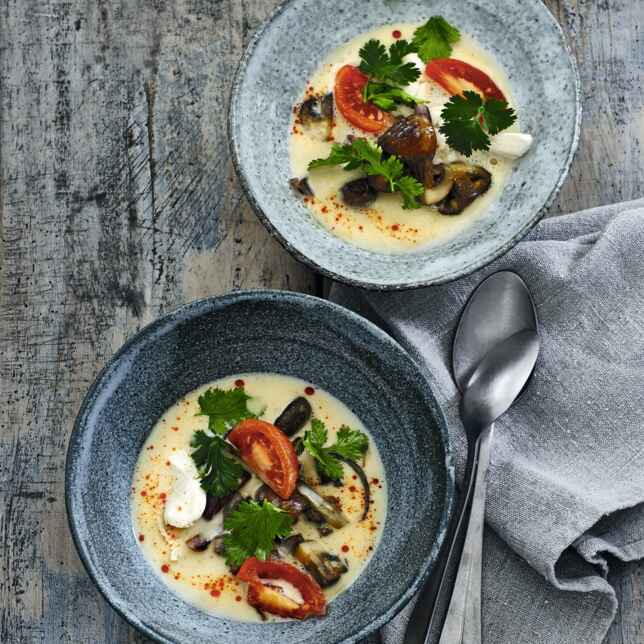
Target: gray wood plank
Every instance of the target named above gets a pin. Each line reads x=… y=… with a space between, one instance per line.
x=118 y=201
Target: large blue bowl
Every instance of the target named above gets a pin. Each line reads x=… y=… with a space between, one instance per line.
x=248 y=332
x=523 y=36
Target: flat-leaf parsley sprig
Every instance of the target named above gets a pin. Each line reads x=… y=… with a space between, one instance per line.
x=350 y=444
x=252 y=530
x=366 y=156
x=224 y=408
x=434 y=39
x=469 y=121
x=219 y=472
x=388 y=67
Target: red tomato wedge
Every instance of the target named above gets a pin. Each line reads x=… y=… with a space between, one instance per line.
x=269 y=453
x=269 y=598
x=349 y=85
x=456 y=77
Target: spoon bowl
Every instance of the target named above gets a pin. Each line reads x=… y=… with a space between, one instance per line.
x=498 y=380
x=500 y=306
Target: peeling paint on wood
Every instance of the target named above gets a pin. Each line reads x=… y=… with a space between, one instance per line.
x=118 y=202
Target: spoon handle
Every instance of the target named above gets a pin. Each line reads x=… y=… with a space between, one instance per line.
x=429 y=613
x=463 y=621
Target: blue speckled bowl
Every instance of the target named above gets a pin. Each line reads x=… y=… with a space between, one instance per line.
x=523 y=36
x=245 y=332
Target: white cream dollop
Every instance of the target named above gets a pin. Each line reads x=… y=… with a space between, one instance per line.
x=187 y=501
x=512 y=145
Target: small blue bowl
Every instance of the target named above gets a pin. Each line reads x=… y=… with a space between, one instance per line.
x=528 y=43
x=259 y=331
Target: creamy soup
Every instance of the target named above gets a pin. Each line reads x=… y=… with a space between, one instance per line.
x=385 y=226
x=203 y=578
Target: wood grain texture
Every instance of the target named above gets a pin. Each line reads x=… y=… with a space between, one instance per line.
x=118 y=201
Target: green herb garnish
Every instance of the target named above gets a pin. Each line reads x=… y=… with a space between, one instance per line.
x=224 y=408
x=253 y=528
x=367 y=156
x=219 y=472
x=350 y=444
x=388 y=67
x=387 y=96
x=435 y=39
x=469 y=120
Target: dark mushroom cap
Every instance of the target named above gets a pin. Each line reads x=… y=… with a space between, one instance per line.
x=470 y=182
x=358 y=192
x=411 y=138
x=379 y=183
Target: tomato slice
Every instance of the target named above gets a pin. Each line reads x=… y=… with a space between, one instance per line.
x=269 y=453
x=265 y=597
x=456 y=76
x=349 y=85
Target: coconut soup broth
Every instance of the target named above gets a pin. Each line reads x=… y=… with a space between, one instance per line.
x=202 y=578
x=385 y=226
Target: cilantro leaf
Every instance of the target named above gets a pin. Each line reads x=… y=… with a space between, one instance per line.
x=435 y=38
x=467 y=106
x=350 y=444
x=374 y=58
x=387 y=96
x=219 y=473
x=340 y=155
x=253 y=528
x=410 y=189
x=388 y=66
x=498 y=116
x=367 y=156
x=314 y=440
x=224 y=408
x=469 y=120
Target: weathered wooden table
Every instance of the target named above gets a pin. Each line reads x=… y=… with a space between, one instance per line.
x=118 y=202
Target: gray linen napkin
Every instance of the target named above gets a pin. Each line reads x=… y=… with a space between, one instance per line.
x=566 y=483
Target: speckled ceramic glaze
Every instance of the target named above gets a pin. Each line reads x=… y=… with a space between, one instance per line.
x=525 y=39
x=248 y=332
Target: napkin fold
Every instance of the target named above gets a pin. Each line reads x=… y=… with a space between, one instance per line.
x=566 y=480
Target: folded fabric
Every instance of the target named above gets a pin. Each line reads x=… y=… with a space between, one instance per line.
x=566 y=481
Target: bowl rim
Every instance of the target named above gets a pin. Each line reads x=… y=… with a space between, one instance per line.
x=235 y=151
x=195 y=309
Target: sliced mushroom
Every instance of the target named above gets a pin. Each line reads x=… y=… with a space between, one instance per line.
x=197 y=543
x=363 y=481
x=358 y=192
x=324 y=529
x=233 y=502
x=413 y=139
x=301 y=185
x=298 y=445
x=218 y=545
x=379 y=183
x=317 y=109
x=332 y=514
x=326 y=568
x=295 y=416
x=438 y=184
x=214 y=504
x=290 y=543
x=294 y=506
x=470 y=182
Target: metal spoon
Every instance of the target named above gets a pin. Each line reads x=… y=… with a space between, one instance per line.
x=489 y=393
x=499 y=307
